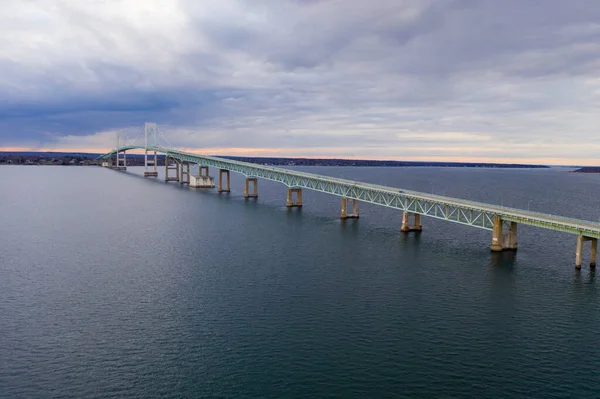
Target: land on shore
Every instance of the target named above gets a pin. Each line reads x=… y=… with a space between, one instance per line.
x=65 y=158
x=588 y=169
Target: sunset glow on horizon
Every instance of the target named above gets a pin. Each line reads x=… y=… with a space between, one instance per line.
x=291 y=153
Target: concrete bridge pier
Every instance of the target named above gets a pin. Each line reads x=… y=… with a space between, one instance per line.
x=510 y=238
x=578 y=252
x=344 y=212
x=228 y=181
x=503 y=241
x=406 y=226
x=290 y=203
x=254 y=193
x=148 y=162
x=168 y=168
x=202 y=180
x=184 y=177
x=118 y=160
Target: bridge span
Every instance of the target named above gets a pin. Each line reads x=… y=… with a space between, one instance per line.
x=501 y=221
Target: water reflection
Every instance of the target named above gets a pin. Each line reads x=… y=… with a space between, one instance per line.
x=584 y=277
x=504 y=260
x=410 y=237
x=296 y=211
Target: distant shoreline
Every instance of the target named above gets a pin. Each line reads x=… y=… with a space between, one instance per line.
x=368 y=162
x=587 y=169
x=64 y=158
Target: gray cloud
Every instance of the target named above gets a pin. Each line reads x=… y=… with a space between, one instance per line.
x=384 y=78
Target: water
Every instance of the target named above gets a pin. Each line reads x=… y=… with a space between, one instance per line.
x=112 y=285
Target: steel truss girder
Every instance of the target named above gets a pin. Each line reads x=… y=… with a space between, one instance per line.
x=471 y=213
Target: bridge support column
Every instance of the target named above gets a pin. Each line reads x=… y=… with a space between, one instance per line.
x=344 y=211
x=221 y=188
x=154 y=163
x=497 y=236
x=119 y=160
x=406 y=226
x=510 y=238
x=593 y=253
x=184 y=177
x=290 y=203
x=254 y=193
x=202 y=180
x=168 y=168
x=578 y=253
x=503 y=241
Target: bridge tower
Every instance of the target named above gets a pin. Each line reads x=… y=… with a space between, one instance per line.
x=150 y=130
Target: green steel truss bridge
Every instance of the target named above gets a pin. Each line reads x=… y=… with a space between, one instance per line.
x=502 y=221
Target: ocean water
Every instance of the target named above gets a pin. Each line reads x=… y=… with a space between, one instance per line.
x=117 y=286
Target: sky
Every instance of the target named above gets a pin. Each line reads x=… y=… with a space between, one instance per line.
x=460 y=80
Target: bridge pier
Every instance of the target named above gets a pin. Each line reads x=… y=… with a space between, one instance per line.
x=254 y=193
x=221 y=188
x=503 y=241
x=416 y=226
x=168 y=168
x=497 y=235
x=119 y=159
x=290 y=203
x=594 y=250
x=510 y=237
x=184 y=177
x=344 y=212
x=154 y=163
x=202 y=180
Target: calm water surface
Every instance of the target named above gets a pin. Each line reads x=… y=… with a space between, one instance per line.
x=112 y=285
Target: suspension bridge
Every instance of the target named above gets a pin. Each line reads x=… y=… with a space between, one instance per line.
x=501 y=221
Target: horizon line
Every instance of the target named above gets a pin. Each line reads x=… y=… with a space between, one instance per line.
x=274 y=153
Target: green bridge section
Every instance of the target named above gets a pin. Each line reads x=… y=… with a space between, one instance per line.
x=471 y=213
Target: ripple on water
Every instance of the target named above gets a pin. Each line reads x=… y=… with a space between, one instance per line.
x=171 y=292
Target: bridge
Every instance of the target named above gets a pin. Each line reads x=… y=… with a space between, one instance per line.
x=501 y=221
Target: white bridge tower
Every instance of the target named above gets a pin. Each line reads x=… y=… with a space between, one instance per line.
x=150 y=131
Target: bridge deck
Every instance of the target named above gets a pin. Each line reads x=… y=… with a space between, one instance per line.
x=476 y=214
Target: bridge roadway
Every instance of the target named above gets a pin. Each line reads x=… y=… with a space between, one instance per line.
x=471 y=213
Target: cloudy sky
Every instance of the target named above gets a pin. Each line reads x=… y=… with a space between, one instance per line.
x=481 y=80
